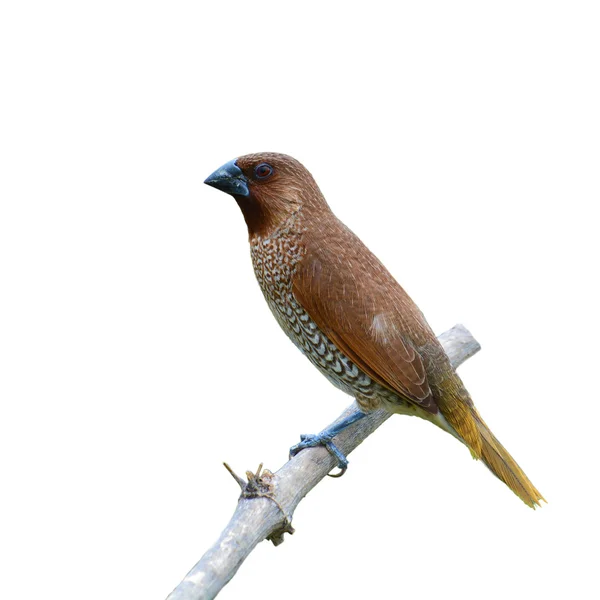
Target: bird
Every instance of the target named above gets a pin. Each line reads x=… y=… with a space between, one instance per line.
x=347 y=314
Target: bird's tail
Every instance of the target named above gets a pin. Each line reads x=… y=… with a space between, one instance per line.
x=502 y=464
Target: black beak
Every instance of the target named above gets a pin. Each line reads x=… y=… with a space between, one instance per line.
x=229 y=179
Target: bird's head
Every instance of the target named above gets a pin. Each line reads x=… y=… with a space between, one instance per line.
x=269 y=188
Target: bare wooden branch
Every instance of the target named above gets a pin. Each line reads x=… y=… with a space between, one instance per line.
x=269 y=500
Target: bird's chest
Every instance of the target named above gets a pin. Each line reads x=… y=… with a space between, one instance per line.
x=274 y=260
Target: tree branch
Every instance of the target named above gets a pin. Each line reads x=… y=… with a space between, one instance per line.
x=269 y=500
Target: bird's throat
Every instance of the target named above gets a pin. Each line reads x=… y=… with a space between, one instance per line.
x=254 y=215
x=263 y=218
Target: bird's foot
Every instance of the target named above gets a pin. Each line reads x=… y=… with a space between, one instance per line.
x=309 y=440
x=325 y=438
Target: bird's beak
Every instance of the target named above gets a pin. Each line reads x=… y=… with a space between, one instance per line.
x=229 y=179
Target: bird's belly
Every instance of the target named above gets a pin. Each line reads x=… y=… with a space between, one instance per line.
x=334 y=364
x=321 y=351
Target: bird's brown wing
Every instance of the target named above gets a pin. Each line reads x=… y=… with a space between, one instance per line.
x=357 y=304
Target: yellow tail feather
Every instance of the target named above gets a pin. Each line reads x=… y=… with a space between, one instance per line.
x=502 y=464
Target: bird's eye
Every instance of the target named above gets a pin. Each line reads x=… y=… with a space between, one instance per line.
x=263 y=171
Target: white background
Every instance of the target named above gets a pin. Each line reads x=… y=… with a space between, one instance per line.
x=458 y=139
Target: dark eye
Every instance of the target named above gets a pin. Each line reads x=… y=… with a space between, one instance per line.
x=263 y=171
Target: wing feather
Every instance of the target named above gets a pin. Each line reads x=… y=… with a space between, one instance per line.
x=358 y=306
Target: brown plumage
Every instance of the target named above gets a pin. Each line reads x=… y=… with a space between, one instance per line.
x=346 y=312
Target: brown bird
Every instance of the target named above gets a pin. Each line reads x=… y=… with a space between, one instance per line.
x=348 y=315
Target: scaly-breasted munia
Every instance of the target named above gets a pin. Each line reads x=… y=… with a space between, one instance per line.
x=347 y=314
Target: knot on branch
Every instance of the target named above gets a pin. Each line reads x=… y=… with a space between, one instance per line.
x=262 y=485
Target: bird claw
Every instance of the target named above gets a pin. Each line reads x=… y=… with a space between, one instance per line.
x=309 y=440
